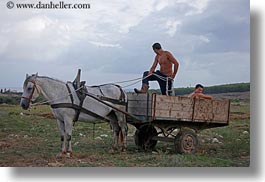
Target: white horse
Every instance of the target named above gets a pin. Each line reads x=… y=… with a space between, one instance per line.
x=57 y=92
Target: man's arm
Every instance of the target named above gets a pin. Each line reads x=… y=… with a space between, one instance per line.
x=176 y=64
x=152 y=69
x=200 y=95
x=204 y=96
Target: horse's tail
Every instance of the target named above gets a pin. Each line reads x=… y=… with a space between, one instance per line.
x=121 y=137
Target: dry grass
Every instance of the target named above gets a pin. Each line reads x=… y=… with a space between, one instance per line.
x=32 y=139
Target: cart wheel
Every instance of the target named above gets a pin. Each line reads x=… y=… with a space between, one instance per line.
x=143 y=137
x=186 y=142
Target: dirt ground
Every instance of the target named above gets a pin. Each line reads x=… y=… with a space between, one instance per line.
x=244 y=96
x=31 y=138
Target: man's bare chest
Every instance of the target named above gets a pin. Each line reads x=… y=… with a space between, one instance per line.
x=163 y=59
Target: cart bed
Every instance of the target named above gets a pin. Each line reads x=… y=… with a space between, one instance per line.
x=155 y=108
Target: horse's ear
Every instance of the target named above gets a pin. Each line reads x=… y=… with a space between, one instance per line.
x=27 y=75
x=37 y=74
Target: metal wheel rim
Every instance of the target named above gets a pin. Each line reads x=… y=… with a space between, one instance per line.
x=188 y=143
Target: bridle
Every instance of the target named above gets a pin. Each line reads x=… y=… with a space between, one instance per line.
x=33 y=90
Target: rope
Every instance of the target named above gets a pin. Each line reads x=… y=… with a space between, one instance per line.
x=138 y=80
x=125 y=81
x=131 y=84
x=160 y=77
x=49 y=101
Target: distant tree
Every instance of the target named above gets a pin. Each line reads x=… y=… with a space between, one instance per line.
x=237 y=87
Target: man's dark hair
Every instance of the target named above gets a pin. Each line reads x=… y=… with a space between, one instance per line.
x=198 y=86
x=157 y=46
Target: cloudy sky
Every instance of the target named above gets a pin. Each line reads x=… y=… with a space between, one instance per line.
x=112 y=40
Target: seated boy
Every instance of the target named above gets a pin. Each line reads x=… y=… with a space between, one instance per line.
x=198 y=93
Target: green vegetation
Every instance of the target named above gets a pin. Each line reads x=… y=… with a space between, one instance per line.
x=237 y=87
x=30 y=139
x=9 y=99
x=14 y=98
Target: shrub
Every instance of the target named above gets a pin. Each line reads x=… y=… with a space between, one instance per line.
x=13 y=100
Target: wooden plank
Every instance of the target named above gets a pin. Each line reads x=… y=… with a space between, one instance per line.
x=174 y=107
x=174 y=99
x=203 y=110
x=141 y=104
x=211 y=110
x=173 y=114
x=178 y=108
x=164 y=99
x=137 y=97
x=221 y=110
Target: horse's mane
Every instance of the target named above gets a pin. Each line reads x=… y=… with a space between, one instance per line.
x=46 y=77
x=54 y=79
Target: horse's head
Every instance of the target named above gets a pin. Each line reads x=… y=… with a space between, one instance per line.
x=30 y=91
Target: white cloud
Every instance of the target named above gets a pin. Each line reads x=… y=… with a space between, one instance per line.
x=4 y=44
x=46 y=35
x=215 y=68
x=204 y=39
x=194 y=6
x=172 y=26
x=120 y=32
x=121 y=16
x=38 y=38
x=162 y=4
x=35 y=24
x=102 y=44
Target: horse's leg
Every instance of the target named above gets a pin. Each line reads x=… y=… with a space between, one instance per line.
x=116 y=130
x=62 y=135
x=68 y=131
x=124 y=130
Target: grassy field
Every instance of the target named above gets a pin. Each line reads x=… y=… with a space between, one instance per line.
x=32 y=139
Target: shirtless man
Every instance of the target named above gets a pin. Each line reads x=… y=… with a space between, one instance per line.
x=198 y=93
x=166 y=60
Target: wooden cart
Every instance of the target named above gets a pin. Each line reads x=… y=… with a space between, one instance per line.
x=174 y=119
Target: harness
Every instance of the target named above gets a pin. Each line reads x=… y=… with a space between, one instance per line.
x=82 y=93
x=77 y=108
x=80 y=90
x=33 y=90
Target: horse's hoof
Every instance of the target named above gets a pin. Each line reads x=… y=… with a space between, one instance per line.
x=61 y=154
x=113 y=150
x=123 y=150
x=69 y=154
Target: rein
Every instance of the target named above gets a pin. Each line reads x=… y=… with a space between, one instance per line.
x=102 y=97
x=60 y=98
x=158 y=76
x=99 y=98
x=32 y=93
x=137 y=80
x=77 y=108
x=70 y=94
